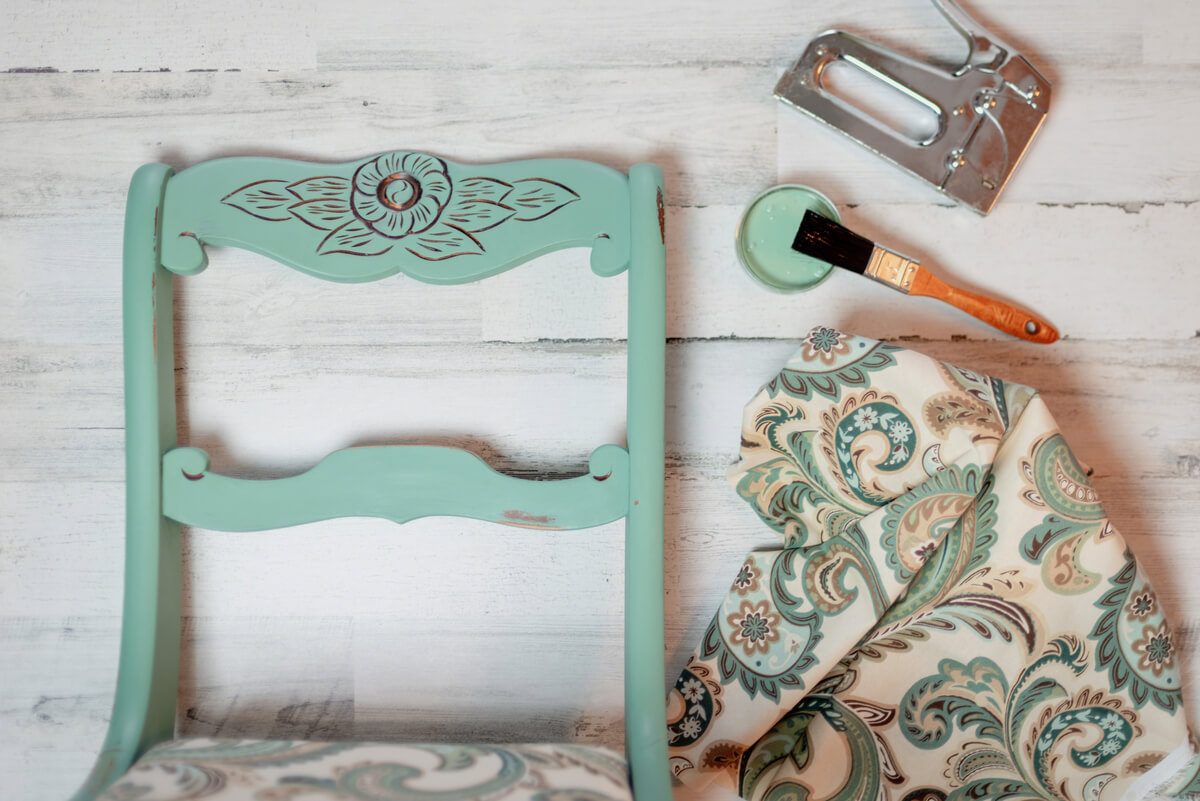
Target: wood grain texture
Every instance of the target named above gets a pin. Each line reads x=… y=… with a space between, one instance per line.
x=448 y=629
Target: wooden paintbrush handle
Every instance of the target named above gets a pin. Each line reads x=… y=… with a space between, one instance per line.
x=995 y=313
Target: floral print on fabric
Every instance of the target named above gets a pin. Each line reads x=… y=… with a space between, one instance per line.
x=829 y=360
x=1134 y=643
x=950 y=616
x=692 y=704
x=212 y=770
x=765 y=638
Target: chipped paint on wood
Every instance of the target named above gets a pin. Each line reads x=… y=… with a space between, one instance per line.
x=518 y=516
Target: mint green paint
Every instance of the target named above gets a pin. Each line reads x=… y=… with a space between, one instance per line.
x=501 y=216
x=767 y=230
x=147 y=677
x=396 y=483
x=645 y=712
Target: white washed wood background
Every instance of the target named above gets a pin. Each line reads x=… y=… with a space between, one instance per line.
x=455 y=629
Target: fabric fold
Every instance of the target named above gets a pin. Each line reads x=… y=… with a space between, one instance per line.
x=950 y=614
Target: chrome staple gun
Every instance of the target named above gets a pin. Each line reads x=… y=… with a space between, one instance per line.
x=988 y=109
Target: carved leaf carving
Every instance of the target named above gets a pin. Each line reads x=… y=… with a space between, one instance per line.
x=482 y=188
x=444 y=242
x=324 y=214
x=477 y=215
x=323 y=186
x=534 y=198
x=355 y=239
x=267 y=200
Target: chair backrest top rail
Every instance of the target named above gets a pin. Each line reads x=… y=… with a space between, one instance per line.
x=401 y=211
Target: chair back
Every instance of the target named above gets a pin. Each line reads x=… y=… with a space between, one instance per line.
x=438 y=222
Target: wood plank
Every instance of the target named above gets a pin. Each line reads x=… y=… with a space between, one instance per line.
x=1133 y=267
x=340 y=116
x=278 y=35
x=1129 y=159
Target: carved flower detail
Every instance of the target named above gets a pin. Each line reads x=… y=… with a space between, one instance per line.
x=399 y=194
x=401 y=199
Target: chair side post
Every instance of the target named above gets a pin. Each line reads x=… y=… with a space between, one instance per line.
x=645 y=705
x=148 y=673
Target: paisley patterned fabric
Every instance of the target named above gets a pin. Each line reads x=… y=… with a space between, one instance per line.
x=951 y=614
x=259 y=770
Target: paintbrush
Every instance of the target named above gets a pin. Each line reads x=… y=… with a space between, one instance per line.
x=823 y=239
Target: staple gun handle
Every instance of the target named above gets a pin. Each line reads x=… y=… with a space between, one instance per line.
x=985 y=51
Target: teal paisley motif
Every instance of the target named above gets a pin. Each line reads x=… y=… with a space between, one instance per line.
x=924 y=527
x=1060 y=484
x=1134 y=643
x=974 y=402
x=812 y=480
x=829 y=361
x=1017 y=728
x=870 y=759
x=390 y=782
x=765 y=640
x=957 y=696
x=995 y=790
x=787 y=791
x=884 y=422
x=827 y=565
x=789 y=491
x=925 y=794
x=699 y=706
x=1063 y=482
x=1116 y=733
x=954 y=586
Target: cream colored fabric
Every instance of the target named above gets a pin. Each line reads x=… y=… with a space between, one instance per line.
x=263 y=770
x=950 y=613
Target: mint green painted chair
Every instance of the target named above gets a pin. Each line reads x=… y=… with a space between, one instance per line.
x=437 y=222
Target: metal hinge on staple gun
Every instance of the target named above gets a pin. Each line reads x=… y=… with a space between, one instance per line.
x=988 y=110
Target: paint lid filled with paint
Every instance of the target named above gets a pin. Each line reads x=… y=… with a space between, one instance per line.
x=766 y=232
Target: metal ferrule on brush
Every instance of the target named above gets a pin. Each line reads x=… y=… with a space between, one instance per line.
x=890 y=267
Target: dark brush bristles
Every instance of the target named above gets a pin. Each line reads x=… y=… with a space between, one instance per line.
x=822 y=238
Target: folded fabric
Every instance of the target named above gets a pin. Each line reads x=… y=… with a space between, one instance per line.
x=951 y=614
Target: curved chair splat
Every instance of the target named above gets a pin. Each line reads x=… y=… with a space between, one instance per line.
x=397 y=483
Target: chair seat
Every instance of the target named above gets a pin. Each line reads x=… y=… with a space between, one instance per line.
x=272 y=770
